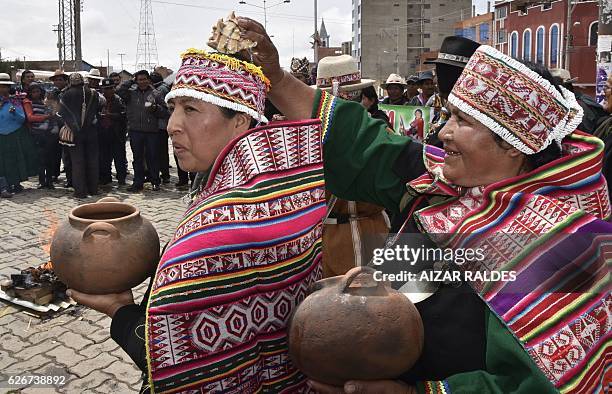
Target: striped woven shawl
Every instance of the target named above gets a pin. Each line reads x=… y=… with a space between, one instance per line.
x=550 y=226
x=243 y=256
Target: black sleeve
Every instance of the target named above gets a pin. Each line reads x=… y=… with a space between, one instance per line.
x=128 y=330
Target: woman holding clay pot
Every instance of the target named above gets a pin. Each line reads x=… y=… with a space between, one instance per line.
x=493 y=177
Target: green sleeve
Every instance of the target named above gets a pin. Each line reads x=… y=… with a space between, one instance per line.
x=509 y=369
x=359 y=153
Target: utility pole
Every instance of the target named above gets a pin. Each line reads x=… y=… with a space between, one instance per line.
x=107 y=62
x=569 y=36
x=316 y=35
x=59 y=46
x=604 y=49
x=78 y=55
x=121 y=55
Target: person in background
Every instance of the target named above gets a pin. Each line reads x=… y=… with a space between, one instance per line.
x=145 y=105
x=353 y=229
x=60 y=80
x=395 y=86
x=454 y=54
x=411 y=87
x=18 y=159
x=426 y=89
x=93 y=79
x=61 y=83
x=116 y=78
x=27 y=78
x=594 y=113
x=4 y=188
x=45 y=136
x=79 y=109
x=112 y=135
x=164 y=156
x=369 y=100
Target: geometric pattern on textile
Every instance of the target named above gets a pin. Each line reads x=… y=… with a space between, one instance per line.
x=567 y=334
x=243 y=257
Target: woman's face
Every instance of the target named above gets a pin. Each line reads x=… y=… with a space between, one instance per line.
x=28 y=78
x=199 y=132
x=418 y=114
x=366 y=102
x=473 y=157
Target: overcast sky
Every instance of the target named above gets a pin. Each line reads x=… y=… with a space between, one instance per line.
x=179 y=24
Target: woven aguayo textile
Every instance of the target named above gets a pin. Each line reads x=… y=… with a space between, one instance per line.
x=550 y=226
x=242 y=258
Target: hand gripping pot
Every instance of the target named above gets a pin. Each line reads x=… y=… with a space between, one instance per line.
x=353 y=327
x=105 y=247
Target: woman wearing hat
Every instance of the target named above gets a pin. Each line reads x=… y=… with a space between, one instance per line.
x=247 y=249
x=516 y=179
x=18 y=159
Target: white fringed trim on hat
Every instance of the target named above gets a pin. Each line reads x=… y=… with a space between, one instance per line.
x=573 y=123
x=566 y=100
x=209 y=98
x=491 y=124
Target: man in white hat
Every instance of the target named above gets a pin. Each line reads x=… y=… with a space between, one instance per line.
x=94 y=78
x=340 y=76
x=352 y=229
x=395 y=87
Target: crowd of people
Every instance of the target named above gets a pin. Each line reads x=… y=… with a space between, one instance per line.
x=80 y=127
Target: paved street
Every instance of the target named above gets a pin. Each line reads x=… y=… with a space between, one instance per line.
x=77 y=343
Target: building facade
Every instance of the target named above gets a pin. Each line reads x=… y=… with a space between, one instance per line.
x=478 y=28
x=389 y=36
x=539 y=33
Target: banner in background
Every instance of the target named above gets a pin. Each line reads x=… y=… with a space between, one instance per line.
x=409 y=120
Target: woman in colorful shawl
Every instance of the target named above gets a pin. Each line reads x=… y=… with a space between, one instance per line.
x=18 y=159
x=245 y=253
x=515 y=178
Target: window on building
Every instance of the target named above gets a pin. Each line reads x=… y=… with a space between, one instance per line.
x=501 y=12
x=540 y=45
x=593 y=34
x=427 y=6
x=426 y=35
x=546 y=6
x=501 y=36
x=514 y=44
x=484 y=32
x=459 y=32
x=395 y=19
x=527 y=45
x=554 y=46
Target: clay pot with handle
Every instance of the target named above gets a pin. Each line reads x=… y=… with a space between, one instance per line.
x=105 y=247
x=353 y=327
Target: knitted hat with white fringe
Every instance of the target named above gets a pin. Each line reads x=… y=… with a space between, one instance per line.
x=515 y=102
x=221 y=80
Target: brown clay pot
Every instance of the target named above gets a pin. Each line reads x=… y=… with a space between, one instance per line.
x=353 y=327
x=105 y=247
